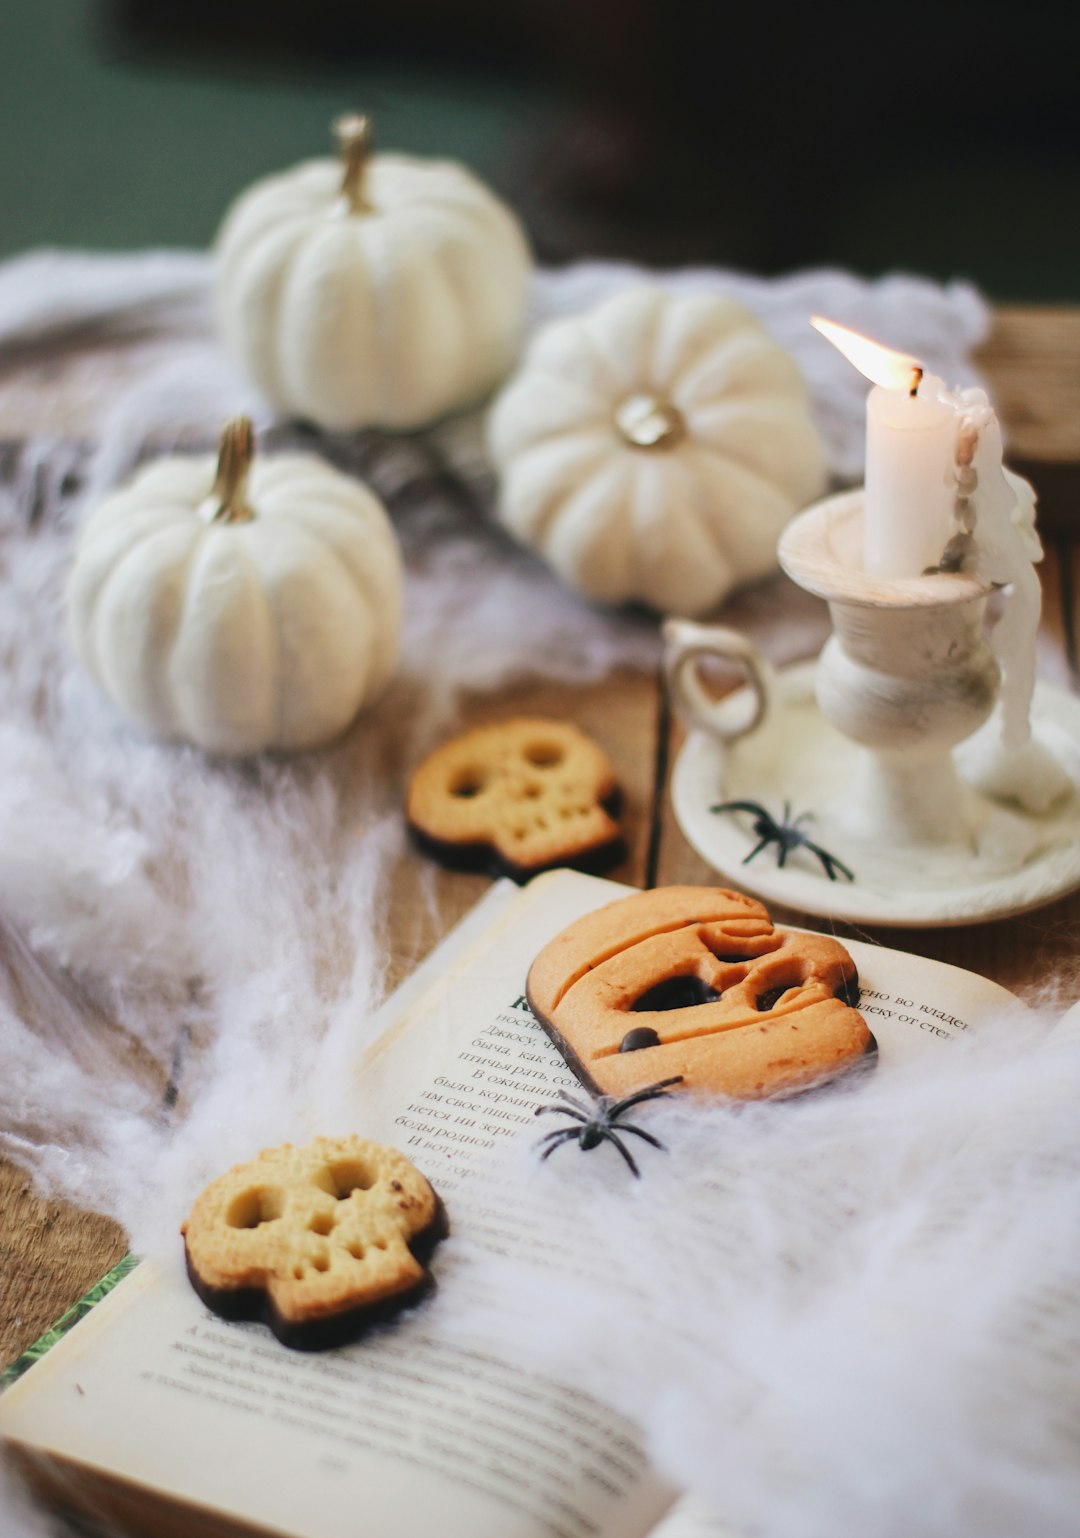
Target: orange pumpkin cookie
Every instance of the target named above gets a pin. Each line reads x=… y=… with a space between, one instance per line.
x=319 y=1242
x=524 y=795
x=695 y=981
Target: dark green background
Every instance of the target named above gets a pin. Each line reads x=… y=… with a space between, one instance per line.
x=116 y=139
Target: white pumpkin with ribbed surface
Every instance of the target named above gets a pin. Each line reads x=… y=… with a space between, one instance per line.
x=238 y=610
x=382 y=292
x=652 y=449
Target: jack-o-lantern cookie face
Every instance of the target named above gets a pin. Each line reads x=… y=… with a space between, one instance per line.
x=320 y=1242
x=695 y=981
x=525 y=795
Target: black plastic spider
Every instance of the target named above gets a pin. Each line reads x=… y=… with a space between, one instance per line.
x=599 y=1121
x=787 y=834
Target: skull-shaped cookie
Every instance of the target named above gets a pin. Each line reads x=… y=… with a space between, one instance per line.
x=695 y=981
x=320 y=1241
x=525 y=795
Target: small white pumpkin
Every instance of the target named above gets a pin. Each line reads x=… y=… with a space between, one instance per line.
x=652 y=449
x=239 y=611
x=384 y=293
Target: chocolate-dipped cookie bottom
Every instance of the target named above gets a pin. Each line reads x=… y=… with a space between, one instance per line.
x=253 y=1304
x=482 y=856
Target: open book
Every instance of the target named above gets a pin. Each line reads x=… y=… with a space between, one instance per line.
x=154 y=1412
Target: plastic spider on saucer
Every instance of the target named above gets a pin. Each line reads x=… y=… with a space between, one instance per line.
x=787 y=834
x=601 y=1121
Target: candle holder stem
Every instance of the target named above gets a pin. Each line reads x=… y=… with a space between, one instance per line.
x=907 y=674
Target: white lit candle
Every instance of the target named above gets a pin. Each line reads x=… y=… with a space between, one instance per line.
x=934 y=470
x=911 y=431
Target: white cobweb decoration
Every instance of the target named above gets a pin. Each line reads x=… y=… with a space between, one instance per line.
x=221 y=927
x=858 y=1312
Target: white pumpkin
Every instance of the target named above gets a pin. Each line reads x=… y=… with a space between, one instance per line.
x=652 y=449
x=384 y=293
x=239 y=611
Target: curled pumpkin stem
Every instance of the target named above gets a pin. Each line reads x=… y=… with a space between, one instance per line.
x=234 y=461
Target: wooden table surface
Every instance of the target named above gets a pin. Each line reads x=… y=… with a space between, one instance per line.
x=50 y=1253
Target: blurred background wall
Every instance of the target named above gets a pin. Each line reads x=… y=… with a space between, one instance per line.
x=938 y=138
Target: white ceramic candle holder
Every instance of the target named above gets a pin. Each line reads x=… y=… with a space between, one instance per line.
x=878 y=742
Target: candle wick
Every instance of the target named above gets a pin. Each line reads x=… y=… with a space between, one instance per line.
x=916 y=381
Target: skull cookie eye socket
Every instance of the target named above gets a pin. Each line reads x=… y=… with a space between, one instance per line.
x=468 y=782
x=676 y=993
x=544 y=755
x=254 y=1207
x=772 y=996
x=847 y=993
x=349 y=1176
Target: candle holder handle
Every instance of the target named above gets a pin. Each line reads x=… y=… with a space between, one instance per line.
x=686 y=644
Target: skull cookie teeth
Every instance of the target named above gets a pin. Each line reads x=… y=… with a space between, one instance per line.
x=319 y=1242
x=525 y=795
x=696 y=982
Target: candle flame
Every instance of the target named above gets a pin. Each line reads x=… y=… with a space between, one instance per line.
x=894 y=370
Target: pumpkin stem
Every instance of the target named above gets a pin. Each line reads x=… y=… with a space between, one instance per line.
x=355 y=135
x=234 y=460
x=649 y=422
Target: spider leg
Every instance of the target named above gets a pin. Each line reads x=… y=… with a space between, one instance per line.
x=580 y=1108
x=741 y=806
x=650 y=1092
x=560 y=1132
x=758 y=848
x=564 y=1136
x=577 y=1112
x=579 y=1105
x=625 y=1126
x=830 y=862
x=613 y=1137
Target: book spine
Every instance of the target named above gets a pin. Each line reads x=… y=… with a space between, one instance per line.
x=67 y=1321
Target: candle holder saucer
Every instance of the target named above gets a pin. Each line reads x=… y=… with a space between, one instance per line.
x=890 y=742
x=796 y=757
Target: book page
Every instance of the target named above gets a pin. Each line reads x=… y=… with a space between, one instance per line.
x=688 y=1518
x=379 y=1436
x=1067 y=1027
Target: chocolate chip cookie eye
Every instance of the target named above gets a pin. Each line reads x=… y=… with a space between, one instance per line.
x=524 y=795
x=696 y=982
x=319 y=1242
